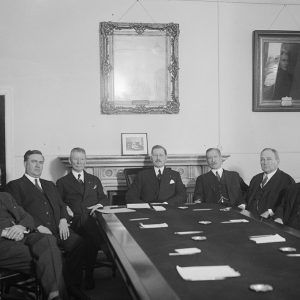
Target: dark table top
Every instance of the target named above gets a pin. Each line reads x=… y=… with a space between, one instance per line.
x=144 y=254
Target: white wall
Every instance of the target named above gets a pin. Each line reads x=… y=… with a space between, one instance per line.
x=49 y=59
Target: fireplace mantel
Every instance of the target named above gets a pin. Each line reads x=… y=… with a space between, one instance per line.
x=109 y=168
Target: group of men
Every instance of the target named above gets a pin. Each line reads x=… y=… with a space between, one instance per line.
x=271 y=194
x=51 y=227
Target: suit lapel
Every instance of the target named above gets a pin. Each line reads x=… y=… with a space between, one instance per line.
x=29 y=186
x=272 y=182
x=74 y=182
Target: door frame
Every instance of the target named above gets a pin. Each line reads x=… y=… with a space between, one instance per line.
x=9 y=136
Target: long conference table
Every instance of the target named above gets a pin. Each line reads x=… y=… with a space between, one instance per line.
x=142 y=255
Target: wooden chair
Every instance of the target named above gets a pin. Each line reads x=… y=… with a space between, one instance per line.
x=27 y=283
x=130 y=174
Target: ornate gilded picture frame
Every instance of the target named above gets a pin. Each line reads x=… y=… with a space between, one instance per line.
x=139 y=68
x=276 y=70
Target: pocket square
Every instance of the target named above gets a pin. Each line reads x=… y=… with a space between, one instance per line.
x=172 y=181
x=95 y=186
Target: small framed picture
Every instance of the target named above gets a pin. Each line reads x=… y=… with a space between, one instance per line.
x=134 y=143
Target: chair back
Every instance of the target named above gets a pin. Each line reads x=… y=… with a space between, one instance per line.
x=130 y=174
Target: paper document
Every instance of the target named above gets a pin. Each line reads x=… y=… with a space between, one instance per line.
x=158 y=203
x=207 y=272
x=262 y=239
x=185 y=251
x=182 y=207
x=138 y=205
x=107 y=210
x=199 y=209
x=139 y=219
x=158 y=208
x=160 y=225
x=236 y=221
x=188 y=232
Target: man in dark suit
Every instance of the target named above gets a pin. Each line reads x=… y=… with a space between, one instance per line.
x=267 y=189
x=42 y=201
x=83 y=193
x=288 y=212
x=219 y=185
x=158 y=184
x=21 y=245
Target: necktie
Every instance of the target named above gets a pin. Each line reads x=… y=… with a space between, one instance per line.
x=218 y=176
x=159 y=176
x=36 y=183
x=79 y=179
x=264 y=181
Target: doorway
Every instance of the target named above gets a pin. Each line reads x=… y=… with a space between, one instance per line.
x=2 y=143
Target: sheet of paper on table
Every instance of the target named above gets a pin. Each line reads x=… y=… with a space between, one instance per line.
x=158 y=208
x=207 y=272
x=107 y=210
x=160 y=225
x=138 y=205
x=185 y=251
x=235 y=221
x=269 y=238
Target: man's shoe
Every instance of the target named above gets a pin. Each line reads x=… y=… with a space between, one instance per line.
x=78 y=294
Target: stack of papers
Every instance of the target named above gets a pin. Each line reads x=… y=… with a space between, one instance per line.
x=235 y=221
x=138 y=205
x=158 y=208
x=269 y=238
x=185 y=251
x=160 y=225
x=206 y=272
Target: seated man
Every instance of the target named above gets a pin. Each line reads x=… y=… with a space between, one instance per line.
x=42 y=201
x=219 y=185
x=288 y=212
x=83 y=193
x=267 y=189
x=20 y=246
x=158 y=184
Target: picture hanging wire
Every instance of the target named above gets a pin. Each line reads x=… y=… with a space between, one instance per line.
x=139 y=2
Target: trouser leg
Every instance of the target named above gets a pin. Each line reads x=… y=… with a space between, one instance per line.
x=48 y=262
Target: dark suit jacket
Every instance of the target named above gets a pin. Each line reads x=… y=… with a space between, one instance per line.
x=146 y=188
x=289 y=209
x=272 y=192
x=31 y=199
x=77 y=198
x=205 y=190
x=11 y=212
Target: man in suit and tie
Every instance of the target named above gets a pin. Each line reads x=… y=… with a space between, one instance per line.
x=267 y=189
x=42 y=201
x=288 y=212
x=219 y=185
x=83 y=193
x=157 y=184
x=21 y=245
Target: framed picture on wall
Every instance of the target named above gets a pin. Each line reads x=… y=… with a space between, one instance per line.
x=134 y=143
x=276 y=70
x=139 y=68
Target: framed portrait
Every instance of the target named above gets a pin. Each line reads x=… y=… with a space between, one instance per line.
x=139 y=68
x=134 y=143
x=276 y=70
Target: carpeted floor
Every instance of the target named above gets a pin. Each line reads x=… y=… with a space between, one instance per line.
x=108 y=287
